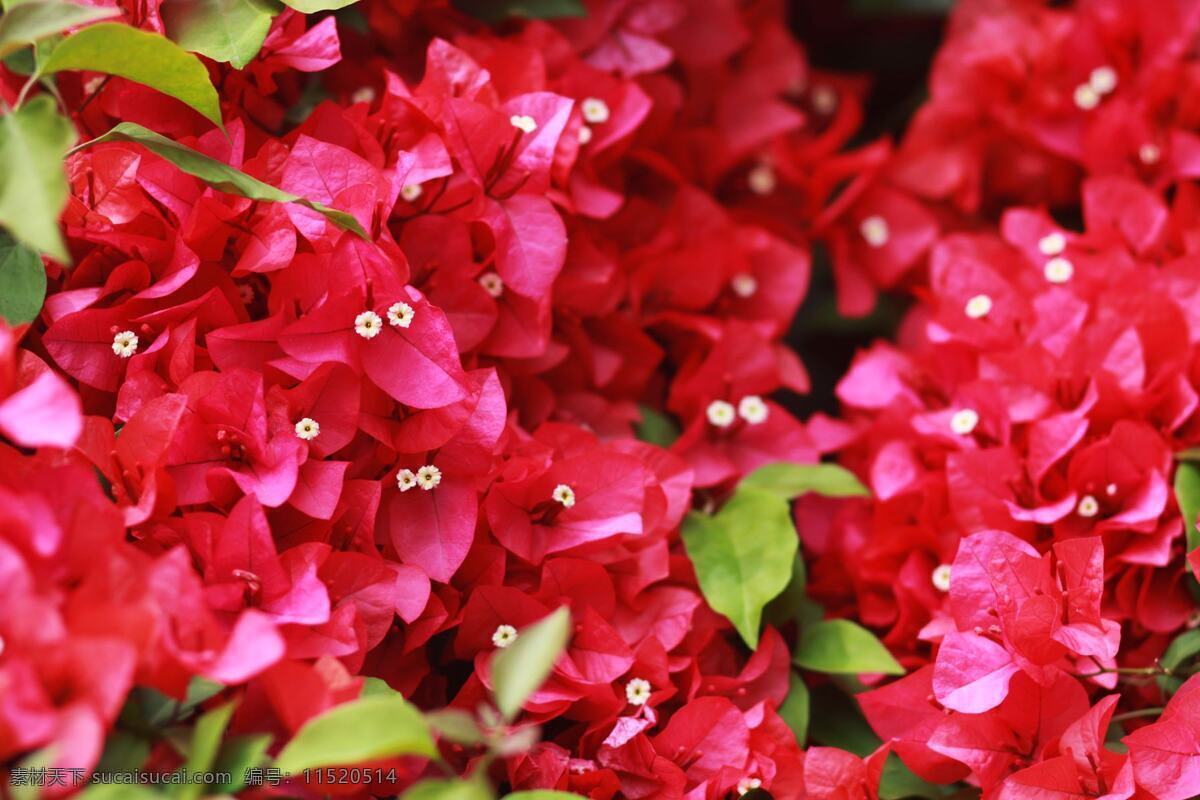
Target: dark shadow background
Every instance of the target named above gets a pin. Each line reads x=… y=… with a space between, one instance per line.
x=893 y=42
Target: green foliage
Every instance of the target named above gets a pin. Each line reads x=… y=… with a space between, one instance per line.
x=22 y=281
x=455 y=725
x=313 y=6
x=365 y=729
x=499 y=10
x=522 y=667
x=842 y=647
x=1184 y=647
x=231 y=31
x=218 y=174
x=656 y=427
x=1187 y=493
x=238 y=754
x=789 y=481
x=30 y=22
x=147 y=58
x=743 y=556
x=206 y=742
x=796 y=708
x=449 y=789
x=33 y=184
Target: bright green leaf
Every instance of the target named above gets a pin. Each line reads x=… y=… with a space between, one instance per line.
x=118 y=791
x=362 y=730
x=376 y=686
x=239 y=754
x=141 y=56
x=22 y=281
x=840 y=646
x=313 y=6
x=500 y=10
x=1182 y=648
x=449 y=789
x=657 y=428
x=33 y=184
x=522 y=667
x=789 y=481
x=795 y=709
x=218 y=174
x=29 y=22
x=206 y=742
x=231 y=31
x=455 y=725
x=743 y=556
x=39 y=759
x=1187 y=493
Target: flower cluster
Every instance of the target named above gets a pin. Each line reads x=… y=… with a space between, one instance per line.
x=295 y=456
x=1024 y=550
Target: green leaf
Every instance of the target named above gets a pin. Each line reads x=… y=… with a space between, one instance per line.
x=449 y=789
x=657 y=428
x=743 y=556
x=376 y=686
x=118 y=791
x=836 y=721
x=206 y=742
x=33 y=184
x=789 y=481
x=123 y=752
x=239 y=754
x=500 y=10
x=231 y=31
x=522 y=667
x=141 y=56
x=455 y=725
x=218 y=174
x=795 y=709
x=362 y=730
x=1187 y=494
x=1182 y=648
x=898 y=782
x=313 y=6
x=841 y=647
x=22 y=281
x=29 y=22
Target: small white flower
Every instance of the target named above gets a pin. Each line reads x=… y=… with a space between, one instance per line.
x=978 y=306
x=1086 y=98
x=746 y=784
x=941 y=577
x=1103 y=80
x=492 y=283
x=1088 y=507
x=964 y=421
x=368 y=324
x=1058 y=270
x=761 y=179
x=308 y=429
x=400 y=315
x=411 y=192
x=875 y=231
x=125 y=344
x=429 y=477
x=504 y=636
x=564 y=494
x=364 y=95
x=405 y=479
x=721 y=413
x=1111 y=489
x=824 y=99
x=752 y=409
x=595 y=110
x=744 y=284
x=637 y=691
x=1052 y=244
x=585 y=134
x=523 y=123
x=1149 y=153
